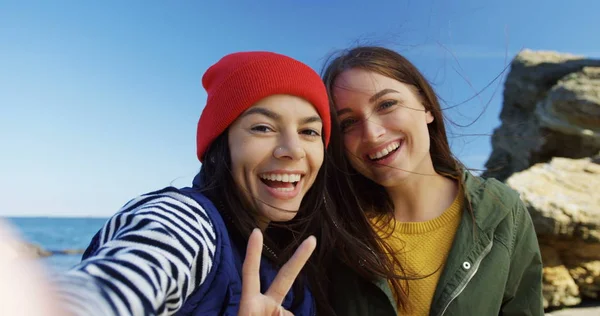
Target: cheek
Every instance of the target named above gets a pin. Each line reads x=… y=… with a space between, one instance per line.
x=357 y=164
x=235 y=155
x=242 y=160
x=316 y=155
x=237 y=169
x=421 y=142
x=411 y=122
x=398 y=119
x=351 y=153
x=234 y=146
x=424 y=131
x=351 y=143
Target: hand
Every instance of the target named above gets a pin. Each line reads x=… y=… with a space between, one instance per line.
x=25 y=288
x=253 y=302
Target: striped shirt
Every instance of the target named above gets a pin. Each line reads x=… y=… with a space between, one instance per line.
x=150 y=257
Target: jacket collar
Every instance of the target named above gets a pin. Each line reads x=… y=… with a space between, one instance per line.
x=198 y=180
x=487 y=201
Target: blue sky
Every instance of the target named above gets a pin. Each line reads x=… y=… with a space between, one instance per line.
x=99 y=100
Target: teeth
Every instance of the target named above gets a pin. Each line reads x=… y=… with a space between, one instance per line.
x=286 y=177
x=384 y=152
x=284 y=189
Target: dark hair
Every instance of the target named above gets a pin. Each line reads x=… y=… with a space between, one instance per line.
x=366 y=195
x=313 y=218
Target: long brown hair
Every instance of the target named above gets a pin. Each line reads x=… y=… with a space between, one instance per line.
x=388 y=63
x=360 y=195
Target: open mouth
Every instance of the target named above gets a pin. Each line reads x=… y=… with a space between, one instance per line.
x=386 y=152
x=282 y=182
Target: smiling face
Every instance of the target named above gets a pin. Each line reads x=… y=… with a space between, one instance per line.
x=276 y=152
x=384 y=126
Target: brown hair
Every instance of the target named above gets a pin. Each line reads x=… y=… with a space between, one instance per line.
x=393 y=65
x=365 y=195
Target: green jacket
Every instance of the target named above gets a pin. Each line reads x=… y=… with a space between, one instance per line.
x=494 y=268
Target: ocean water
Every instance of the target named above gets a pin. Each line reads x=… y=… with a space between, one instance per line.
x=55 y=233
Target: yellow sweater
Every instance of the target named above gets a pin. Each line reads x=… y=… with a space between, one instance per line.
x=422 y=248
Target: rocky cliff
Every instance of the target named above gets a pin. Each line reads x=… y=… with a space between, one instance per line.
x=563 y=198
x=547 y=149
x=551 y=109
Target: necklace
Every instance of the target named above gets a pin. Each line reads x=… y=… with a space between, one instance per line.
x=270 y=251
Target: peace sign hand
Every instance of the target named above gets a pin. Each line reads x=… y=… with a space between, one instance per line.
x=253 y=302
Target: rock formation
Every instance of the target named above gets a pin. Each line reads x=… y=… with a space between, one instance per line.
x=28 y=250
x=24 y=249
x=563 y=198
x=548 y=149
x=551 y=109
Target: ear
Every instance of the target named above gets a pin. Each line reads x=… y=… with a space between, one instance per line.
x=428 y=117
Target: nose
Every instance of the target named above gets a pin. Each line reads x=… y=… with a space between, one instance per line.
x=290 y=148
x=372 y=130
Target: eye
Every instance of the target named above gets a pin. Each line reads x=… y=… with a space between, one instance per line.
x=347 y=123
x=310 y=132
x=261 y=129
x=387 y=104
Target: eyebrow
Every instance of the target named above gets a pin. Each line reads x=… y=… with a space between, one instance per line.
x=380 y=94
x=343 y=111
x=372 y=99
x=272 y=115
x=311 y=119
x=262 y=111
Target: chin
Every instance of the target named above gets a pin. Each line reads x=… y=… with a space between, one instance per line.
x=282 y=217
x=285 y=213
x=391 y=178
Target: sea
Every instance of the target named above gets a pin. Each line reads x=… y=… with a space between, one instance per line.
x=55 y=234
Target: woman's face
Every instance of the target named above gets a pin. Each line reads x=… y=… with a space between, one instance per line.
x=384 y=126
x=276 y=152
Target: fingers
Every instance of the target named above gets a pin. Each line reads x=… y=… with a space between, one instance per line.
x=290 y=270
x=23 y=279
x=283 y=312
x=251 y=267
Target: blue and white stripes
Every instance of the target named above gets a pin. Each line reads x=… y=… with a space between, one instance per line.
x=149 y=258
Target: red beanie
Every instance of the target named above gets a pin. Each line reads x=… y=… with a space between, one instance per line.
x=239 y=80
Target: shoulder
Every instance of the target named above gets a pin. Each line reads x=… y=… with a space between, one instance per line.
x=493 y=202
x=499 y=208
x=165 y=196
x=171 y=201
x=171 y=204
x=490 y=195
x=168 y=211
x=489 y=190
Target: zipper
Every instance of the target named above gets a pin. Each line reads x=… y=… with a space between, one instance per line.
x=469 y=276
